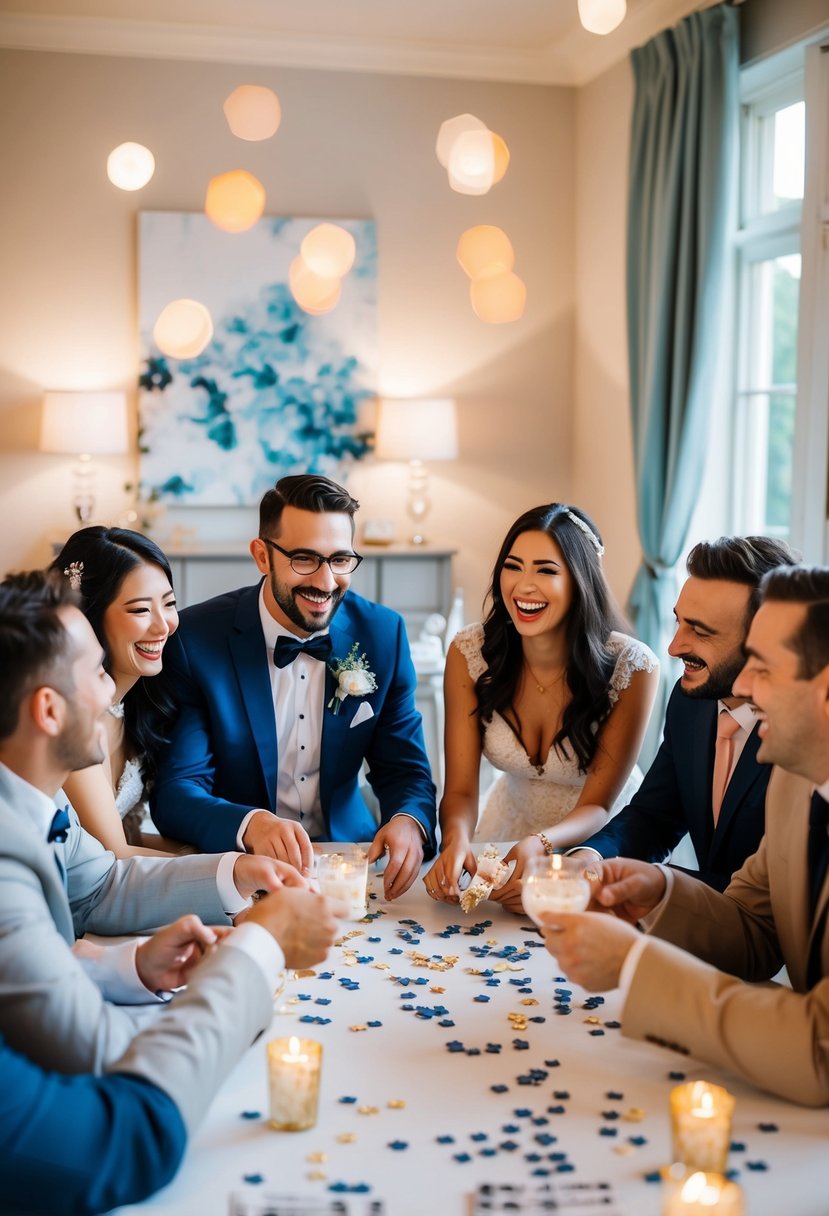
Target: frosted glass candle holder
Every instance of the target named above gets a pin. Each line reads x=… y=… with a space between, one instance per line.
x=294 y=1067
x=554 y=883
x=344 y=876
x=701 y=1125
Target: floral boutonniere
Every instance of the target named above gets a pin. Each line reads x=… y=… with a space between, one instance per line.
x=354 y=678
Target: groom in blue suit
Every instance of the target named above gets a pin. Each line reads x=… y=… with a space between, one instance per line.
x=283 y=690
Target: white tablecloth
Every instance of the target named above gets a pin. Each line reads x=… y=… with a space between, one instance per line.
x=450 y=1093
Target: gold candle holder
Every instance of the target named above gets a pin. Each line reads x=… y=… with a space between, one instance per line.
x=294 y=1081
x=344 y=876
x=696 y=1193
x=701 y=1125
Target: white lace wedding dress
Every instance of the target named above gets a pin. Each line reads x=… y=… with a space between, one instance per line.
x=130 y=799
x=524 y=800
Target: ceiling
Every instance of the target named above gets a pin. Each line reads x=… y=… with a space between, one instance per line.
x=529 y=41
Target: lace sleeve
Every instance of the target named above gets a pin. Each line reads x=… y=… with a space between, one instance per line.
x=631 y=656
x=469 y=642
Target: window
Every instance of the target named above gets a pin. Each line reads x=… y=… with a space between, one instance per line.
x=773 y=140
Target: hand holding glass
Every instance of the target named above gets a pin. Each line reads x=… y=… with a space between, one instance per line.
x=554 y=883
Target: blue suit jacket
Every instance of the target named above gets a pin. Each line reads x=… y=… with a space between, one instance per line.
x=675 y=798
x=223 y=753
x=83 y=1144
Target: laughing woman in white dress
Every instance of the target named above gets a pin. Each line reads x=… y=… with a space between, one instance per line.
x=552 y=692
x=127 y=595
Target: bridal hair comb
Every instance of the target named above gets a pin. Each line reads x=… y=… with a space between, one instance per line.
x=74 y=572
x=582 y=526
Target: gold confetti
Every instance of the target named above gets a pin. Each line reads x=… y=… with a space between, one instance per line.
x=593 y=1021
x=396 y=1104
x=529 y=1000
x=499 y=967
x=435 y=989
x=292 y=1000
x=346 y=1137
x=634 y=1115
x=381 y=966
x=368 y=1110
x=358 y=1028
x=317 y=1158
x=350 y=960
x=317 y=1176
x=623 y=1150
x=306 y=974
x=492 y=941
x=515 y=966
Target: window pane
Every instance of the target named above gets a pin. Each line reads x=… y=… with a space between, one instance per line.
x=779 y=464
x=789 y=153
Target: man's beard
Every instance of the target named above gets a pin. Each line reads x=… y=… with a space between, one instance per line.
x=284 y=597
x=720 y=681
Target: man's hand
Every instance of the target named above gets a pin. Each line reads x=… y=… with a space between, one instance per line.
x=455 y=856
x=269 y=836
x=630 y=889
x=589 y=948
x=167 y=958
x=251 y=874
x=403 y=839
x=303 y=923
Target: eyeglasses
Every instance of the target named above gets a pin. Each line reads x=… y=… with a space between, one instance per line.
x=306 y=561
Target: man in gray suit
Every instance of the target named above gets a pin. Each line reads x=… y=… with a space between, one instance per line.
x=56 y=881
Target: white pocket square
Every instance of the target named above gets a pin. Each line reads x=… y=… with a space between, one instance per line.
x=362 y=715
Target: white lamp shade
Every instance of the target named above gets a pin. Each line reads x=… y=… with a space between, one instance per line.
x=253 y=112
x=183 y=329
x=329 y=251
x=601 y=16
x=84 y=423
x=449 y=132
x=130 y=166
x=425 y=429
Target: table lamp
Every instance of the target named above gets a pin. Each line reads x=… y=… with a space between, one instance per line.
x=416 y=431
x=84 y=424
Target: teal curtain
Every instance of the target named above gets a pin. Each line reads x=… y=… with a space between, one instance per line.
x=682 y=181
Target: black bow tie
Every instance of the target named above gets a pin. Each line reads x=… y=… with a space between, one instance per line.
x=287 y=649
x=59 y=827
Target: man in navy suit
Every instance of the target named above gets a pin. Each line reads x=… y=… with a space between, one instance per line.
x=713 y=613
x=283 y=690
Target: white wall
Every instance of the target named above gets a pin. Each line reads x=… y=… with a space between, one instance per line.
x=349 y=145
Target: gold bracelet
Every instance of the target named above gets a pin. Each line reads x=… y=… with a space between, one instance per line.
x=548 y=847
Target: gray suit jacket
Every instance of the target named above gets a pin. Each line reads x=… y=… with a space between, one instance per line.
x=50 y=1008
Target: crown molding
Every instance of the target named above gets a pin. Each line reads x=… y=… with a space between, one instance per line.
x=574 y=60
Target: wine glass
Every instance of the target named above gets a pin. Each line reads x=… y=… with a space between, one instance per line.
x=554 y=883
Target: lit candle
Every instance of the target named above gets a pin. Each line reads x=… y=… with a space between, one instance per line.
x=554 y=884
x=701 y=1125
x=700 y=1194
x=344 y=876
x=294 y=1079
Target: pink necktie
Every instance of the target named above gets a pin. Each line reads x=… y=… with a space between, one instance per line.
x=727 y=727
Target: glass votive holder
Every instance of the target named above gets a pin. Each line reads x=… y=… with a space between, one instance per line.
x=554 y=883
x=701 y=1125
x=696 y=1193
x=294 y=1067
x=344 y=876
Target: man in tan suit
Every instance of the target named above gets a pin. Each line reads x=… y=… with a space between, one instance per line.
x=697 y=981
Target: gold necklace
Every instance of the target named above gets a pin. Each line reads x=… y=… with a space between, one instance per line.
x=542 y=688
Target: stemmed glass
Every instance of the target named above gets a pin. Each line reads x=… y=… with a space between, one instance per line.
x=554 y=883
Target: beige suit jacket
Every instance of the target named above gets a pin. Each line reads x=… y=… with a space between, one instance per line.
x=714 y=1001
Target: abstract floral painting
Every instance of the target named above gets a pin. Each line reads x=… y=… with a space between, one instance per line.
x=277 y=390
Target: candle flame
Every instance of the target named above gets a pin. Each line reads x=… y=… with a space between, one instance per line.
x=293 y=1045
x=698 y=1189
x=556 y=861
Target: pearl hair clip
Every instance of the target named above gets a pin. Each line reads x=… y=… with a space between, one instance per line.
x=74 y=572
x=587 y=530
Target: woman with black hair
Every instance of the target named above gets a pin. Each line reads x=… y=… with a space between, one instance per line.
x=552 y=692
x=126 y=588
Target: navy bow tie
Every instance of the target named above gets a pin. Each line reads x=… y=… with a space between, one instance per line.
x=59 y=827
x=287 y=649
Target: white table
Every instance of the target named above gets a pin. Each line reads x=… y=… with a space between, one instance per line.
x=450 y=1094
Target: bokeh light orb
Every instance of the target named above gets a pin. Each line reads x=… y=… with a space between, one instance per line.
x=183 y=329
x=130 y=166
x=253 y=112
x=235 y=201
x=329 y=251
x=498 y=298
x=483 y=249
